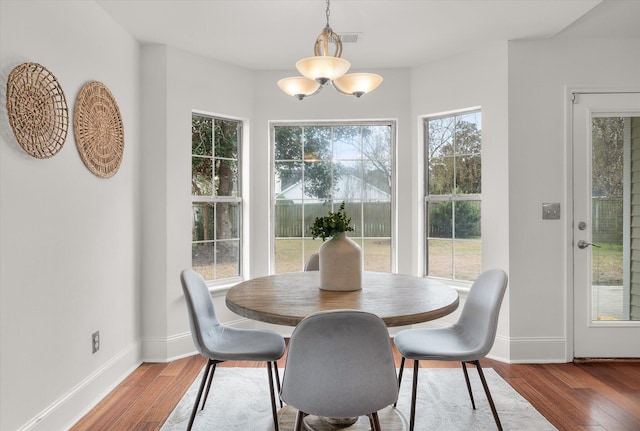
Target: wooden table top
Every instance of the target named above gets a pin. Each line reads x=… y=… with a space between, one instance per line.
x=286 y=299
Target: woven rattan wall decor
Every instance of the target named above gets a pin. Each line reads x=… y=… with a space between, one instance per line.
x=37 y=110
x=98 y=129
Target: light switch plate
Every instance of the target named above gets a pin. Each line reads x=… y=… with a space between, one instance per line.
x=551 y=211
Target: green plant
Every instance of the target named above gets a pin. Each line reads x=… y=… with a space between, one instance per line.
x=467 y=218
x=331 y=225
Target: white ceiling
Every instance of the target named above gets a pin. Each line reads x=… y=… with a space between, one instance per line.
x=274 y=34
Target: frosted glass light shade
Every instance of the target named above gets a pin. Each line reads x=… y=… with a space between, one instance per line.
x=323 y=67
x=357 y=84
x=298 y=86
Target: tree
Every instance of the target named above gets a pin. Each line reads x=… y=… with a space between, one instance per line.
x=309 y=148
x=607 y=156
x=201 y=145
x=467 y=220
x=215 y=173
x=377 y=151
x=454 y=164
x=305 y=151
x=454 y=156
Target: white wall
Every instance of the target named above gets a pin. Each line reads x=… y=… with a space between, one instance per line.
x=475 y=79
x=70 y=241
x=175 y=83
x=540 y=250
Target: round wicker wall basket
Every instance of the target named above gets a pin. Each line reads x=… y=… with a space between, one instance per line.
x=98 y=129
x=37 y=110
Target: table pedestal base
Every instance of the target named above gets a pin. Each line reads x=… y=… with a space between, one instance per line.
x=390 y=419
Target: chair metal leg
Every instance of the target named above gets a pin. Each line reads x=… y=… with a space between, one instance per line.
x=273 y=398
x=275 y=366
x=375 y=422
x=466 y=378
x=400 y=378
x=206 y=394
x=299 y=417
x=204 y=381
x=414 y=393
x=486 y=391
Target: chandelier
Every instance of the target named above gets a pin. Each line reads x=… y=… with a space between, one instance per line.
x=323 y=68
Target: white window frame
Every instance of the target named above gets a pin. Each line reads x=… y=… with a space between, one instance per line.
x=392 y=123
x=224 y=283
x=443 y=198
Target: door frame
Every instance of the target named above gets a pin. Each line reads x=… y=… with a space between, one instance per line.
x=569 y=94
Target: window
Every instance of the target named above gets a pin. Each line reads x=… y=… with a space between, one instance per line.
x=317 y=166
x=216 y=196
x=452 y=202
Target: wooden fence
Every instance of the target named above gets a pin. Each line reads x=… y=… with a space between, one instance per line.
x=607 y=220
x=294 y=220
x=290 y=221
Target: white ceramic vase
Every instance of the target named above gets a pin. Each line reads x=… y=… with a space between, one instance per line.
x=340 y=264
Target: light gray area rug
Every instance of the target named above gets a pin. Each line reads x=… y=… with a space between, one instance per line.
x=239 y=401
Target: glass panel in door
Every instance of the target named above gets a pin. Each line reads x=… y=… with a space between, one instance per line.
x=606 y=225
x=610 y=184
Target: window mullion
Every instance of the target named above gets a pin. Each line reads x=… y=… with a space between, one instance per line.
x=339 y=150
x=456 y=210
x=217 y=140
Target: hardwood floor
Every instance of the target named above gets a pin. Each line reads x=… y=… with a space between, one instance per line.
x=591 y=396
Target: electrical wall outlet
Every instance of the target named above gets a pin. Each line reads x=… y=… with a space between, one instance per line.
x=95 y=341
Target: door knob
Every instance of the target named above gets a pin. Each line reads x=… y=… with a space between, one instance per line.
x=584 y=244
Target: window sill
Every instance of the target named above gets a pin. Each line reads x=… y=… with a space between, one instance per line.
x=221 y=288
x=459 y=286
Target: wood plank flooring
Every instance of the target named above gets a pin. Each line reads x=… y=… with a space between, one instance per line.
x=591 y=396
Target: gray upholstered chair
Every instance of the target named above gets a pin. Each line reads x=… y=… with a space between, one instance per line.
x=219 y=343
x=467 y=341
x=313 y=264
x=340 y=365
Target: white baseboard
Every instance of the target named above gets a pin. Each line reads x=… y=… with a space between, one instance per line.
x=73 y=405
x=165 y=349
x=520 y=350
x=501 y=350
x=180 y=345
x=537 y=350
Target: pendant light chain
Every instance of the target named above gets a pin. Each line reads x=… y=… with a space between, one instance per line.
x=328 y=13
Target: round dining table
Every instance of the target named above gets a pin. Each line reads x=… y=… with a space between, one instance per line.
x=286 y=299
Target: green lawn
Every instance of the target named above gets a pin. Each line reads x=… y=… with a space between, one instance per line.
x=607 y=264
x=291 y=254
x=462 y=255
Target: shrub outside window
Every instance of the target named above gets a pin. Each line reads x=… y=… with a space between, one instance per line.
x=453 y=196
x=216 y=197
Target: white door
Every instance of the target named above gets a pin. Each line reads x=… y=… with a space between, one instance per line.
x=606 y=225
